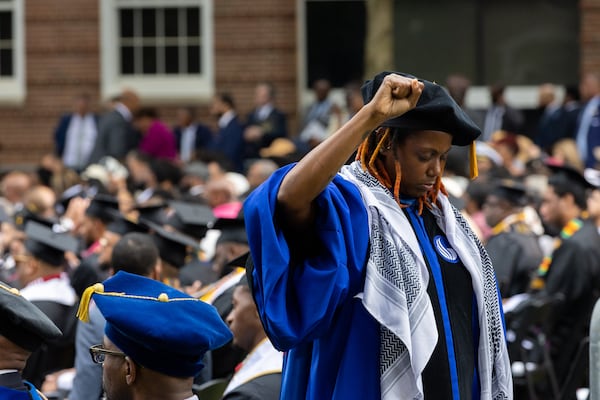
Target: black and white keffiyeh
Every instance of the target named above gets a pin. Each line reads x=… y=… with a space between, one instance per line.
x=395 y=294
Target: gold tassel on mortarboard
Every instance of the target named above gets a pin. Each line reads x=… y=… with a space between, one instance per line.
x=473 y=171
x=83 y=313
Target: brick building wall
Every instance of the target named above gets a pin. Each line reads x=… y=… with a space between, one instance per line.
x=590 y=35
x=62 y=59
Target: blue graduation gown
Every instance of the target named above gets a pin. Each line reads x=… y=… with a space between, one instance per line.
x=10 y=394
x=308 y=308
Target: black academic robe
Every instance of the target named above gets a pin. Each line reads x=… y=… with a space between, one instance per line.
x=56 y=354
x=515 y=257
x=573 y=273
x=265 y=387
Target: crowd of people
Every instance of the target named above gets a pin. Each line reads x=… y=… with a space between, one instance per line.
x=359 y=246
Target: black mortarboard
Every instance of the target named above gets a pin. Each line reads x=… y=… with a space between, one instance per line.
x=568 y=174
x=24 y=215
x=154 y=213
x=23 y=323
x=511 y=190
x=172 y=245
x=435 y=110
x=47 y=245
x=102 y=207
x=232 y=230
x=191 y=218
x=123 y=224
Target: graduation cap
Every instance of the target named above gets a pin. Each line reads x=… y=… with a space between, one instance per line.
x=232 y=230
x=191 y=218
x=23 y=323
x=45 y=244
x=154 y=213
x=511 y=190
x=159 y=327
x=24 y=215
x=172 y=246
x=123 y=224
x=565 y=173
x=435 y=110
x=102 y=207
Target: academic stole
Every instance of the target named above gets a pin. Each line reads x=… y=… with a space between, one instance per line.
x=569 y=230
x=506 y=224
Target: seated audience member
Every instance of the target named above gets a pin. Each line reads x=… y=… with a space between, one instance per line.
x=259 y=375
x=155 y=337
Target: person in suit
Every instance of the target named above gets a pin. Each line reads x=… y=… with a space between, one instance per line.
x=500 y=116
x=24 y=328
x=265 y=122
x=229 y=141
x=155 y=337
x=75 y=134
x=116 y=136
x=190 y=136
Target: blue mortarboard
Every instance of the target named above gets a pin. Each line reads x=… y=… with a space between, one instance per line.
x=156 y=325
x=435 y=110
x=23 y=323
x=49 y=246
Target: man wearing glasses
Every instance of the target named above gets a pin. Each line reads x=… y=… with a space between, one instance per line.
x=155 y=337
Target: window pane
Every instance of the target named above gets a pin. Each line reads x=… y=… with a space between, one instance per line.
x=171 y=59
x=519 y=52
x=171 y=23
x=431 y=45
x=6 y=62
x=149 y=60
x=335 y=33
x=193 y=58
x=126 y=22
x=193 y=21
x=127 y=60
x=5 y=25
x=148 y=22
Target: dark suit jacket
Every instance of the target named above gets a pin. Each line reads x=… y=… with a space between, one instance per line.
x=229 y=142
x=116 y=137
x=274 y=126
x=203 y=139
x=60 y=133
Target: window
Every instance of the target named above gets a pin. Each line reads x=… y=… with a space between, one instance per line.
x=335 y=33
x=161 y=48
x=491 y=41
x=12 y=70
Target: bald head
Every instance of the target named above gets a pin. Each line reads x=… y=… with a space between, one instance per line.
x=14 y=185
x=546 y=94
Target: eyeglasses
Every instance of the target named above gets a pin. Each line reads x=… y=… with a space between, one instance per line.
x=98 y=353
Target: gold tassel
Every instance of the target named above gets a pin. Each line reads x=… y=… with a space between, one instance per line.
x=473 y=171
x=83 y=313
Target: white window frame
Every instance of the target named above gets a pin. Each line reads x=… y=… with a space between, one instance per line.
x=12 y=89
x=163 y=88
